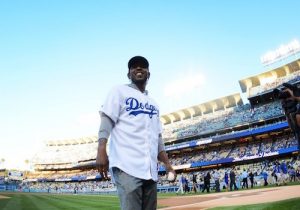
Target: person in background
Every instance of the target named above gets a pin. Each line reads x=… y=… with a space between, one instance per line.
x=245 y=179
x=232 y=179
x=216 y=176
x=207 y=178
x=194 y=180
x=251 y=177
x=265 y=175
x=181 y=184
x=226 y=180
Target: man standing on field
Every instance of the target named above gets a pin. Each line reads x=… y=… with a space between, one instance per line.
x=131 y=119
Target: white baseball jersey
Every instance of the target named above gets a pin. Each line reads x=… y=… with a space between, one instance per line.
x=134 y=139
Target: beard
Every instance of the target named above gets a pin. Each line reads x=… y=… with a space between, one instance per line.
x=139 y=81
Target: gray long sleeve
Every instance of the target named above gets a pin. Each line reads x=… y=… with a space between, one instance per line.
x=105 y=127
x=161 y=145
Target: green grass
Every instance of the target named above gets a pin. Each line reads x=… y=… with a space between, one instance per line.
x=32 y=201
x=39 y=201
x=291 y=204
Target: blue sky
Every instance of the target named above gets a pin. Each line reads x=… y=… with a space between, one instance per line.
x=58 y=59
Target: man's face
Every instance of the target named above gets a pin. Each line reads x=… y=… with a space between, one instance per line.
x=139 y=74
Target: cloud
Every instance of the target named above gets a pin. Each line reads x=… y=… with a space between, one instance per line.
x=184 y=85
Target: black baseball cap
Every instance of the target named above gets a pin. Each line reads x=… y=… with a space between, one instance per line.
x=138 y=60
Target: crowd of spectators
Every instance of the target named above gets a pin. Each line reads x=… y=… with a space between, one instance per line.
x=253 y=149
x=64 y=175
x=69 y=187
x=213 y=122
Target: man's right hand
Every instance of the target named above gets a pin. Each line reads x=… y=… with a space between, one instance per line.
x=102 y=159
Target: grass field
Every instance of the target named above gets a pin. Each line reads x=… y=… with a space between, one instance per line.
x=38 y=201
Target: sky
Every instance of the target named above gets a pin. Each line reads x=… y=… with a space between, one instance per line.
x=59 y=59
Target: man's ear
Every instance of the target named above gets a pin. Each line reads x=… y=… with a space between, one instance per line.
x=128 y=75
x=148 y=75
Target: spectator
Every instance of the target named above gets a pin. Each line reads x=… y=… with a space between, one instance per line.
x=207 y=178
x=265 y=175
x=245 y=179
x=216 y=176
x=251 y=177
x=194 y=179
x=232 y=179
x=181 y=184
x=186 y=185
x=226 y=180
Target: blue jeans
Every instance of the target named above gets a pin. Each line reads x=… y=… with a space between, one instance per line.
x=135 y=193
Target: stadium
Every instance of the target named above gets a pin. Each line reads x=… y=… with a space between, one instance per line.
x=222 y=136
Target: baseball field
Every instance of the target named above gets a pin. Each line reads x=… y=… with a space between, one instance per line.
x=284 y=197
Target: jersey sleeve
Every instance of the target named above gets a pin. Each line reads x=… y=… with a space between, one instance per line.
x=111 y=106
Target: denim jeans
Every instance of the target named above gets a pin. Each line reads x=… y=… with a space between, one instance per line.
x=135 y=193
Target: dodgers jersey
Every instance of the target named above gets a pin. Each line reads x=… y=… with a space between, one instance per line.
x=134 y=139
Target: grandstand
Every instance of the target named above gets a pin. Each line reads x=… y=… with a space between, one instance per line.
x=217 y=134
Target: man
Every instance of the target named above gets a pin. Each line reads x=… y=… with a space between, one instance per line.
x=226 y=180
x=277 y=174
x=265 y=175
x=284 y=172
x=251 y=177
x=207 y=178
x=216 y=176
x=245 y=179
x=290 y=99
x=232 y=179
x=194 y=179
x=185 y=185
x=131 y=119
x=181 y=184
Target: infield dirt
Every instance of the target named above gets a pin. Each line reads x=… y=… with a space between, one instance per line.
x=245 y=197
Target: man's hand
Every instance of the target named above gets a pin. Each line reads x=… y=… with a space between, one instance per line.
x=102 y=159
x=169 y=168
x=163 y=157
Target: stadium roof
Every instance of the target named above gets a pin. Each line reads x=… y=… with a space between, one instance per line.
x=279 y=72
x=204 y=108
